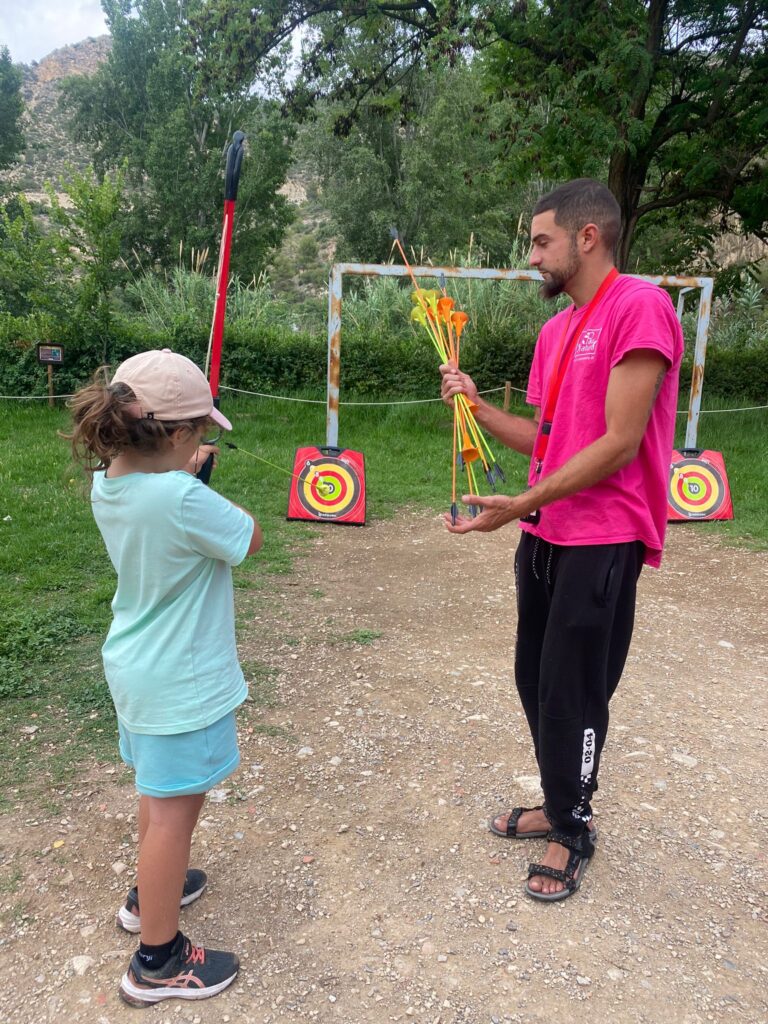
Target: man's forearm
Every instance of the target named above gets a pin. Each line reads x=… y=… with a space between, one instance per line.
x=516 y=432
x=594 y=463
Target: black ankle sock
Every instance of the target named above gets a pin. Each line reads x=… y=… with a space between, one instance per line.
x=154 y=957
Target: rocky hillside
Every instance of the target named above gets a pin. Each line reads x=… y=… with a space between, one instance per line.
x=49 y=146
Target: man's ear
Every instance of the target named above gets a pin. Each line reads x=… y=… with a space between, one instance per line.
x=589 y=237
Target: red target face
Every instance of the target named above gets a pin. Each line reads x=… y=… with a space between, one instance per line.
x=327 y=488
x=696 y=489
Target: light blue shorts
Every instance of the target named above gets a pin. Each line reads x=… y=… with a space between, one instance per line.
x=183 y=763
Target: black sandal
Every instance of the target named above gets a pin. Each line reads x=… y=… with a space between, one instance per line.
x=511 y=830
x=581 y=849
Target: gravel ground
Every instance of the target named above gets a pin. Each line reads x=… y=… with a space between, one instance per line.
x=349 y=857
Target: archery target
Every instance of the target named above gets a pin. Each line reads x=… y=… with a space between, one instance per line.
x=328 y=486
x=698 y=487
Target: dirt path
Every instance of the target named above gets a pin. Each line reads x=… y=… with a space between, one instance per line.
x=349 y=858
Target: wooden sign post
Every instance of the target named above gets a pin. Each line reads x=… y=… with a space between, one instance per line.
x=50 y=356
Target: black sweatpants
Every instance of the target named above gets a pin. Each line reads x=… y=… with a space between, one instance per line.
x=576 y=610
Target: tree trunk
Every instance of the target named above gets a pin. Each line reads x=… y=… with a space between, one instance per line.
x=626 y=177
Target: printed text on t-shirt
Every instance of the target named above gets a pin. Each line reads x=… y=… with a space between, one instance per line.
x=586 y=346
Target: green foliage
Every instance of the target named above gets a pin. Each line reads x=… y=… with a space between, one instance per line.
x=629 y=96
x=30 y=638
x=34 y=263
x=741 y=318
x=91 y=227
x=421 y=160
x=11 y=110
x=145 y=105
x=665 y=100
x=271 y=347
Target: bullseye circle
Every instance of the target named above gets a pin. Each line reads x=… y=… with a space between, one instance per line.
x=328 y=487
x=696 y=489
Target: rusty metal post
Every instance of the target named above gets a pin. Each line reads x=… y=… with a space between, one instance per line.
x=681 y=302
x=699 y=355
x=335 y=285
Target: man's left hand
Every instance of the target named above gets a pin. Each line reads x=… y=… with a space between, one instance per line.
x=496 y=510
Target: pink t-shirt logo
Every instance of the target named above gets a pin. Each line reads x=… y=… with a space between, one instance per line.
x=586 y=346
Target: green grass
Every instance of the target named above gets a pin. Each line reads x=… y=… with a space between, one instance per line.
x=360 y=637
x=56 y=582
x=742 y=438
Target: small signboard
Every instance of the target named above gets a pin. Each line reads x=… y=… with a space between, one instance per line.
x=52 y=355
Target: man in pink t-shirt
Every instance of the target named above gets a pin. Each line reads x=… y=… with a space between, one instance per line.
x=604 y=383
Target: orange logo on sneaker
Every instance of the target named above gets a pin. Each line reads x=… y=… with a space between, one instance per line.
x=180 y=981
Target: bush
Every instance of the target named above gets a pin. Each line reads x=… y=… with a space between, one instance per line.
x=734 y=374
x=276 y=347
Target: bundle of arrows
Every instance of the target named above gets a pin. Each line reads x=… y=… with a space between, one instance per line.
x=444 y=324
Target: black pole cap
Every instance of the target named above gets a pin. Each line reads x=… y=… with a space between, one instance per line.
x=235 y=152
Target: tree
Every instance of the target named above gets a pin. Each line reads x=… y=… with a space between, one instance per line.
x=11 y=110
x=671 y=94
x=145 y=106
x=34 y=263
x=421 y=159
x=663 y=98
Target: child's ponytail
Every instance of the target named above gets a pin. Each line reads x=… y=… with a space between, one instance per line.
x=101 y=421
x=105 y=424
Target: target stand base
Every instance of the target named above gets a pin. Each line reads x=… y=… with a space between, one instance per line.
x=328 y=486
x=698 y=487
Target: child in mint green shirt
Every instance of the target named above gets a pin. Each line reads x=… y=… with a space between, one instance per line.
x=170 y=657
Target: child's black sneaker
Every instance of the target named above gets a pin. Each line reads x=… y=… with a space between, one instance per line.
x=128 y=917
x=191 y=973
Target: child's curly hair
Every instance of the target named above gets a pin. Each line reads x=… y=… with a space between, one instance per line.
x=105 y=424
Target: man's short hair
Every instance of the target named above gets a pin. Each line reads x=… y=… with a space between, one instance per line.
x=584 y=201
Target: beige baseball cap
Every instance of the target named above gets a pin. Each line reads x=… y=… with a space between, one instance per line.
x=168 y=386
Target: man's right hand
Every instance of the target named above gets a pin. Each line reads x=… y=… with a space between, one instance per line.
x=457 y=383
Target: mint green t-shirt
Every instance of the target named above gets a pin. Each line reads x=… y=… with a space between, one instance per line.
x=170 y=657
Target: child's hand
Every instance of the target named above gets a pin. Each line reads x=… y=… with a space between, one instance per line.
x=197 y=461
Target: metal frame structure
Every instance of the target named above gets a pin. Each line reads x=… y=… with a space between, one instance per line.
x=335 y=286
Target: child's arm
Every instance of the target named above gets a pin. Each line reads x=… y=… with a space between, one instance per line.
x=194 y=464
x=257 y=538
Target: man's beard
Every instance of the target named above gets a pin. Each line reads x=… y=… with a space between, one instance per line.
x=555 y=284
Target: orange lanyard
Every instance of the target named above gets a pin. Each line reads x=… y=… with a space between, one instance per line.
x=560 y=366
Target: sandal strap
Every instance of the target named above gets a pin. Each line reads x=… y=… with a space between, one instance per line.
x=515 y=815
x=567 y=877
x=579 y=844
x=543 y=869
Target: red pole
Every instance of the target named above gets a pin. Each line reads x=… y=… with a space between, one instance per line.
x=220 y=307
x=234 y=163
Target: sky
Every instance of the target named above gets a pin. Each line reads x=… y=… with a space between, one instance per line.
x=32 y=28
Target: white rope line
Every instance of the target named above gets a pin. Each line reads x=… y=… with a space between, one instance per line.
x=280 y=398
x=319 y=401
x=743 y=408
x=31 y=398
x=425 y=401
x=411 y=401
